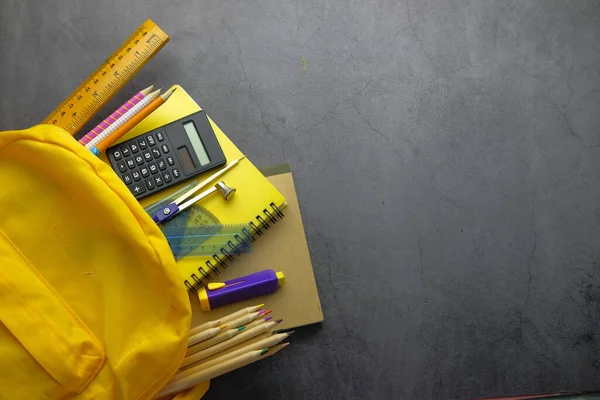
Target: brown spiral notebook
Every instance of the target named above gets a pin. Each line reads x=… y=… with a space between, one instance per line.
x=284 y=249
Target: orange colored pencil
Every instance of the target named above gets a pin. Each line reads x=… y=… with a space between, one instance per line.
x=133 y=121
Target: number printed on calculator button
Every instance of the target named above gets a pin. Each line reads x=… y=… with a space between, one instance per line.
x=147 y=156
x=117 y=155
x=136 y=175
x=130 y=164
x=126 y=152
x=152 y=168
x=145 y=172
x=134 y=148
x=143 y=144
x=139 y=160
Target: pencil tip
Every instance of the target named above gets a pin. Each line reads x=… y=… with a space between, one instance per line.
x=290 y=333
x=222 y=327
x=241 y=328
x=260 y=305
x=285 y=344
x=263 y=351
x=268 y=318
x=279 y=321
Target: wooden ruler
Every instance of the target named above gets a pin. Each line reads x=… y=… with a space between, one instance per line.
x=107 y=80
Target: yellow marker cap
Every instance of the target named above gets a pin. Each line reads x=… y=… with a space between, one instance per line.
x=215 y=285
x=204 y=303
x=280 y=278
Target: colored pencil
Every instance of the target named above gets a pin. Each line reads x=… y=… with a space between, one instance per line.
x=269 y=341
x=204 y=326
x=221 y=321
x=116 y=115
x=123 y=119
x=133 y=121
x=239 y=313
x=221 y=337
x=246 y=319
x=218 y=370
x=205 y=335
x=258 y=322
x=248 y=334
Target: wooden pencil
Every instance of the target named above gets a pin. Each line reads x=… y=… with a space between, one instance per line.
x=204 y=335
x=207 y=352
x=258 y=322
x=123 y=119
x=269 y=341
x=221 y=337
x=207 y=325
x=133 y=121
x=239 y=313
x=139 y=96
x=218 y=370
x=221 y=321
x=246 y=319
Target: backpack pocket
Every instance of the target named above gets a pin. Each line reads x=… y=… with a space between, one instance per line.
x=40 y=333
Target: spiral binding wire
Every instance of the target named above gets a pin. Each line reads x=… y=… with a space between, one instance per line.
x=228 y=254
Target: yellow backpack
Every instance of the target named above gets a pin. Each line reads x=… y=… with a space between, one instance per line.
x=91 y=305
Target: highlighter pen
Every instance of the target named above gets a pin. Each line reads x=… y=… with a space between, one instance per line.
x=217 y=294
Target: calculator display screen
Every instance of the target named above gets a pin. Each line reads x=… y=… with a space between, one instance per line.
x=194 y=136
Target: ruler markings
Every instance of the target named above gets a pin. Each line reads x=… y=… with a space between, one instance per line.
x=114 y=73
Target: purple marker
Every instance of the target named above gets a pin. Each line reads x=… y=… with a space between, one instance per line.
x=217 y=294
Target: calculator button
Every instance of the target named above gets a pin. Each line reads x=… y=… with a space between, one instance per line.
x=170 y=160
x=126 y=152
x=165 y=148
x=175 y=173
x=158 y=180
x=152 y=168
x=138 y=189
x=161 y=165
x=130 y=163
x=143 y=144
x=145 y=172
x=156 y=153
x=122 y=166
x=167 y=177
x=139 y=160
x=150 y=184
x=136 y=175
x=160 y=136
x=148 y=156
x=117 y=155
x=150 y=140
x=134 y=148
x=127 y=178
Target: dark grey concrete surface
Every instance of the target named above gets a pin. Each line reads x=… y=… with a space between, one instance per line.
x=447 y=160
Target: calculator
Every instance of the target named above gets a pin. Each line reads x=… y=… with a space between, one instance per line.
x=164 y=157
